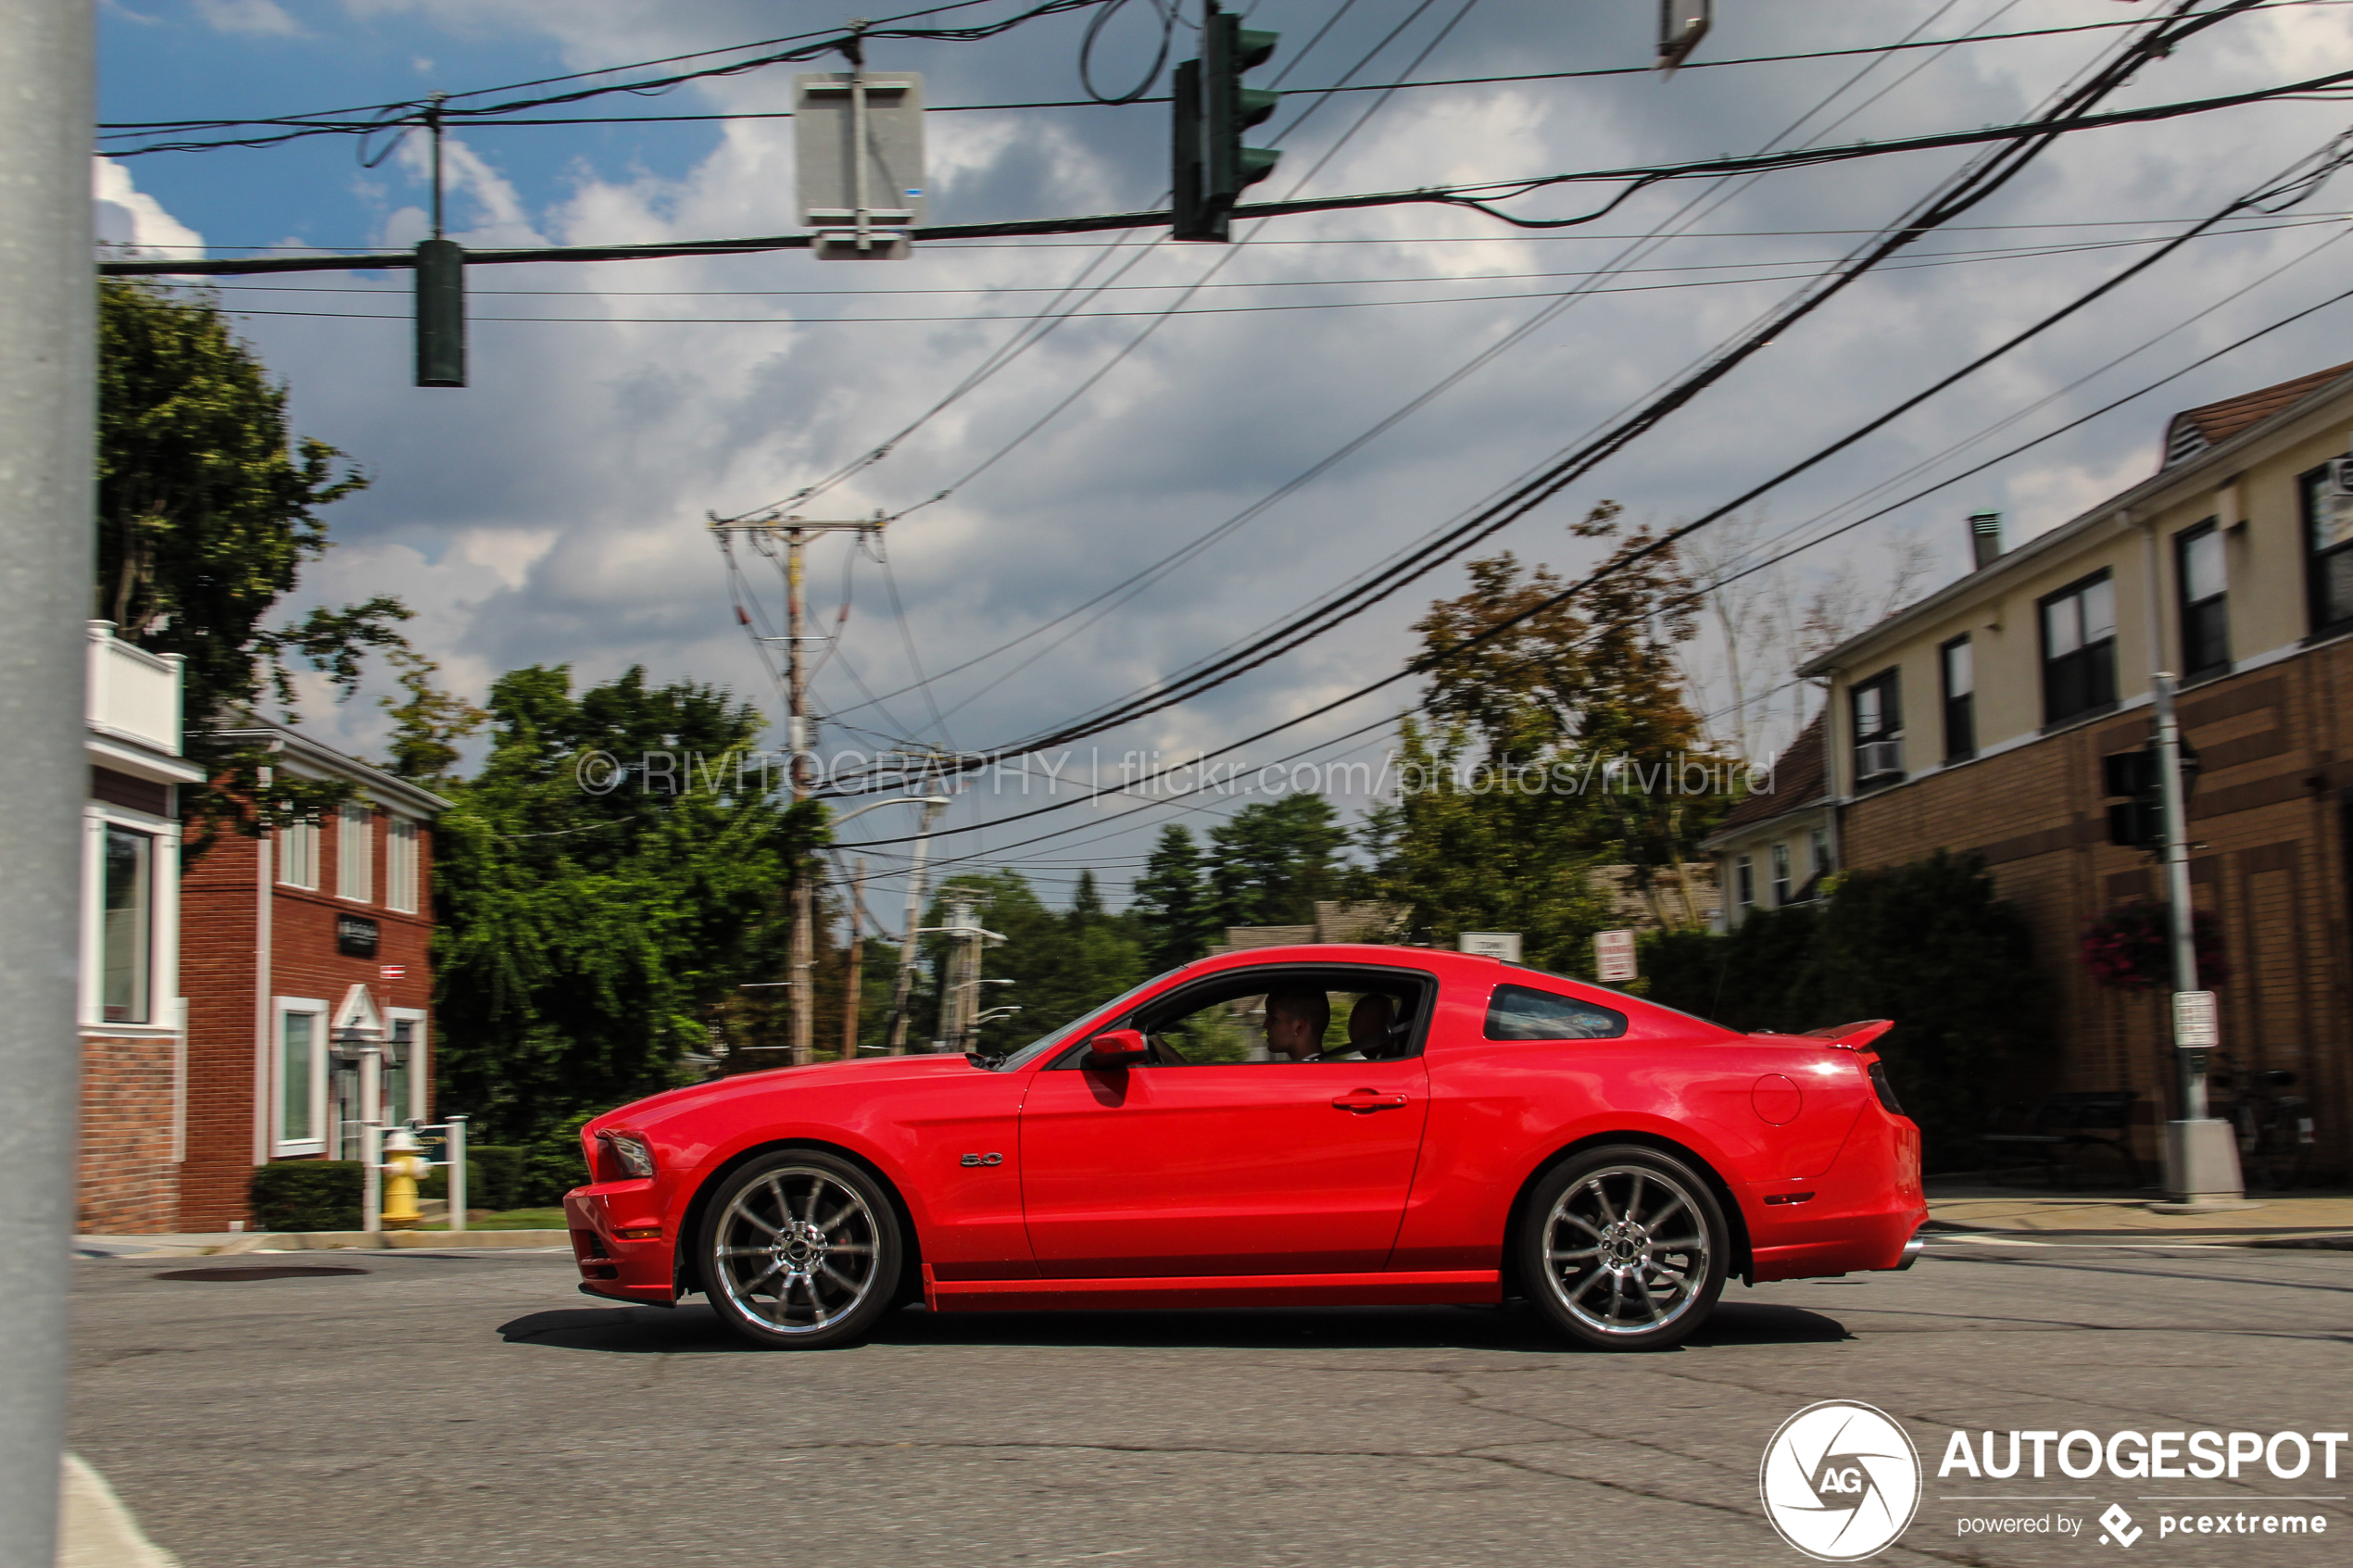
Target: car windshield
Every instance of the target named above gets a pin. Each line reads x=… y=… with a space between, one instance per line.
x=1062 y=1036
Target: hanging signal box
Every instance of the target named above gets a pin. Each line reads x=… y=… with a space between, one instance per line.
x=1682 y=24
x=858 y=140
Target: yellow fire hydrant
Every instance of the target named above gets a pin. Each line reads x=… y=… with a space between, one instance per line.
x=404 y=1163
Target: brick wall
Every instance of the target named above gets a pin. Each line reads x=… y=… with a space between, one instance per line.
x=2269 y=861
x=219 y=975
x=129 y=1185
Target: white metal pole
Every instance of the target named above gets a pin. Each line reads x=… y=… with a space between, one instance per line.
x=905 y=986
x=371 y=1072
x=457 y=1150
x=48 y=418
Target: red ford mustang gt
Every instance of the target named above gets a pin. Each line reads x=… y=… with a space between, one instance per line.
x=1288 y=1126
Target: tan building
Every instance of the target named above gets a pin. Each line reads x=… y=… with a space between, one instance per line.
x=1977 y=720
x=1774 y=849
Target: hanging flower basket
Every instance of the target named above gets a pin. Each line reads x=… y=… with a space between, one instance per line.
x=2129 y=948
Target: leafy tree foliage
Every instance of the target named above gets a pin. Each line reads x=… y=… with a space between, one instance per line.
x=207 y=512
x=1270 y=861
x=1929 y=944
x=1555 y=744
x=1171 y=901
x=585 y=938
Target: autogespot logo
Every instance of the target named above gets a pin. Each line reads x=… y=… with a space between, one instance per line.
x=1840 y=1481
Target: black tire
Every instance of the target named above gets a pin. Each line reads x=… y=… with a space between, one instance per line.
x=800 y=1249
x=1624 y=1249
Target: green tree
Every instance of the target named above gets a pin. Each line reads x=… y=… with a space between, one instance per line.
x=1270 y=861
x=610 y=877
x=1171 y=902
x=206 y=510
x=1557 y=740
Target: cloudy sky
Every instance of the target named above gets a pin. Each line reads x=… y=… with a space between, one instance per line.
x=553 y=511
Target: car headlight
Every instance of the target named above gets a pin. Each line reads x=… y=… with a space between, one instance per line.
x=634 y=1155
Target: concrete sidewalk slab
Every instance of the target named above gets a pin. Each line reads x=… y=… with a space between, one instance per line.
x=94 y=1530
x=2008 y=1210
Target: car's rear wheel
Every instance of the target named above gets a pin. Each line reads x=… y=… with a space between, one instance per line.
x=1625 y=1248
x=800 y=1249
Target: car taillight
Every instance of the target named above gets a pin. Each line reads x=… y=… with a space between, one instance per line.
x=1885 y=1090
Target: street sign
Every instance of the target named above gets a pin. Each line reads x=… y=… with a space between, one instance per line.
x=859 y=141
x=1503 y=945
x=2196 y=1027
x=1613 y=956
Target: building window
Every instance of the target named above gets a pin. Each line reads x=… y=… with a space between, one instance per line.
x=400 y=865
x=1819 y=855
x=1780 y=873
x=1957 y=666
x=1744 y=882
x=1878 y=731
x=127 y=931
x=2328 y=534
x=299 y=854
x=300 y=1101
x=356 y=852
x=2079 y=649
x=2203 y=578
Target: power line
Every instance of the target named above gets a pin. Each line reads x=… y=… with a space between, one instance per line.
x=311 y=123
x=1480 y=197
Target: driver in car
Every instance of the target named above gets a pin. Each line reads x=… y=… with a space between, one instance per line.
x=1295 y=1024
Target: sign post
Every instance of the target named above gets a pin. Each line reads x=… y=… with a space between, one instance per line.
x=1614 y=957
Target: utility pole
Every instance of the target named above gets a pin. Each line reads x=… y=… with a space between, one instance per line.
x=794 y=532
x=2201 y=1154
x=905 y=985
x=48 y=332
x=857 y=957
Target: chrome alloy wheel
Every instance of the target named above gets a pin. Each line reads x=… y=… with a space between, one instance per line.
x=1626 y=1250
x=796 y=1250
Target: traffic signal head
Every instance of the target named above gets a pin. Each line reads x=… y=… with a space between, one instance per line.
x=2129 y=773
x=1212 y=110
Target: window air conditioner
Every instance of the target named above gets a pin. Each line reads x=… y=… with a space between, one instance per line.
x=1873 y=758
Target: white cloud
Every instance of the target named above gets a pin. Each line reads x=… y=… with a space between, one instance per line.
x=128 y=217
x=263 y=18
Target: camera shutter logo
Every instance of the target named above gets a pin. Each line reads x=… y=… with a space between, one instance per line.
x=1840 y=1481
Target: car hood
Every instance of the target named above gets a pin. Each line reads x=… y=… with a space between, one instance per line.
x=867 y=1070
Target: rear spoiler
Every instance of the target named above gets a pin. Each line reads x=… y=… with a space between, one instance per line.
x=1851 y=1037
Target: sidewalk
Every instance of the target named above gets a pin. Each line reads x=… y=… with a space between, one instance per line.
x=221 y=1244
x=2273 y=1219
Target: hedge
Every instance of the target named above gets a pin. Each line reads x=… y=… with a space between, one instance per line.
x=307 y=1194
x=1928 y=945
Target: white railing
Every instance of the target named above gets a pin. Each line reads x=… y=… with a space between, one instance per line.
x=133 y=694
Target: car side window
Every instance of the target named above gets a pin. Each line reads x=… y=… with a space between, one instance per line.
x=1520 y=1012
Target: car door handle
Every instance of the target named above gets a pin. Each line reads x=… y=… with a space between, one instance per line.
x=1364 y=1100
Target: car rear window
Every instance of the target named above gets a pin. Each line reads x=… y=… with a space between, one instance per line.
x=1520 y=1012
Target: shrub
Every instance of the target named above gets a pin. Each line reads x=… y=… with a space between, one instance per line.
x=1926 y=945
x=493 y=1175
x=552 y=1166
x=307 y=1194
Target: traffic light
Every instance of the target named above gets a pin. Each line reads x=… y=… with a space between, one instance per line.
x=2139 y=822
x=441 y=313
x=1212 y=108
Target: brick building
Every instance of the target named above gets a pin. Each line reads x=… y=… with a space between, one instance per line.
x=283 y=937
x=133 y=1045
x=1977 y=720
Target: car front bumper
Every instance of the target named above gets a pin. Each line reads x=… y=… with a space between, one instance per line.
x=620 y=1243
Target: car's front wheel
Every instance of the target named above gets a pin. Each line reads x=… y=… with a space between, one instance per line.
x=1624 y=1248
x=800 y=1249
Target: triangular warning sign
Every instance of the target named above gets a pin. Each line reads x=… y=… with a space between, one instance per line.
x=358 y=1012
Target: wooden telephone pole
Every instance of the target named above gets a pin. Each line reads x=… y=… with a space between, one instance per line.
x=795 y=533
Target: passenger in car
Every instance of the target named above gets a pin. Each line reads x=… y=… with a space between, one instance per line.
x=1295 y=1024
x=1372 y=1026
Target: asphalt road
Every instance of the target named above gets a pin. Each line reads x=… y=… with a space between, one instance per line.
x=476 y=1410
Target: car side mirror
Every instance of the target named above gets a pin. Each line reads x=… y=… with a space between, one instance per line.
x=1118 y=1048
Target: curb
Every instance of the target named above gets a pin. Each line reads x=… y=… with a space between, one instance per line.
x=94 y=1530
x=437 y=1241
